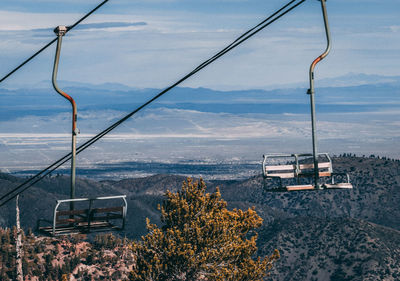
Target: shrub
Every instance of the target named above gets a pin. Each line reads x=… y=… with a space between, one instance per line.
x=200 y=240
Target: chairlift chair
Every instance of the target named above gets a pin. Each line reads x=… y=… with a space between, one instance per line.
x=93 y=214
x=88 y=218
x=300 y=172
x=295 y=172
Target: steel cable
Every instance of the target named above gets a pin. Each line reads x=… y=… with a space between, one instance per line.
x=242 y=38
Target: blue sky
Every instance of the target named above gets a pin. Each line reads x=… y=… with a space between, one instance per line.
x=152 y=43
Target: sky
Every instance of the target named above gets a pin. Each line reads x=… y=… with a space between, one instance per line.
x=152 y=43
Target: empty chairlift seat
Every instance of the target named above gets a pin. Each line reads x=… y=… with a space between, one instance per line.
x=295 y=172
x=88 y=215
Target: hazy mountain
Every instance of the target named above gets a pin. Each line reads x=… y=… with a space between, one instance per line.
x=346 y=80
x=45 y=101
x=355 y=79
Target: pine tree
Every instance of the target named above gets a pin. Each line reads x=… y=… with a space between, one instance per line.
x=200 y=240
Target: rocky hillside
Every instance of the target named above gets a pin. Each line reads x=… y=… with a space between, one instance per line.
x=324 y=235
x=106 y=258
x=332 y=249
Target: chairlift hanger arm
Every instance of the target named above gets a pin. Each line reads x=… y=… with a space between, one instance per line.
x=311 y=92
x=61 y=31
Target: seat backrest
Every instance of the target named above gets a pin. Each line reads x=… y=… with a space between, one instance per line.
x=90 y=213
x=324 y=168
x=280 y=171
x=296 y=165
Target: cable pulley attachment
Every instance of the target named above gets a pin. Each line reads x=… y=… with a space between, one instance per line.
x=60 y=30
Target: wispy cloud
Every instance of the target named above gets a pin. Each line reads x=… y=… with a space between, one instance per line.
x=394 y=28
x=99 y=25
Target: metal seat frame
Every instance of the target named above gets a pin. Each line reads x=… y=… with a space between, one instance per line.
x=85 y=220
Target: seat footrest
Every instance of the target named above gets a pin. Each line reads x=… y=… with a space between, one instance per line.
x=339 y=186
x=300 y=187
x=76 y=229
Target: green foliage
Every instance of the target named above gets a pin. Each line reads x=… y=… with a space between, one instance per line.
x=200 y=240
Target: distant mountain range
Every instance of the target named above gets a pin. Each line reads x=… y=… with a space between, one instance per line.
x=365 y=93
x=326 y=235
x=351 y=79
x=356 y=79
x=346 y=80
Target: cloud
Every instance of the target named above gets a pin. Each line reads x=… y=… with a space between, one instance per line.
x=99 y=25
x=394 y=28
x=110 y=25
x=306 y=30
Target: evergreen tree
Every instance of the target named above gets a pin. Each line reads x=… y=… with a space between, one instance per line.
x=200 y=240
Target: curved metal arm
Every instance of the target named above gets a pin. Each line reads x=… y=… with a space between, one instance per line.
x=328 y=47
x=311 y=92
x=60 y=31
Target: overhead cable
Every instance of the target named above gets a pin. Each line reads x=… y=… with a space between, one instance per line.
x=242 y=38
